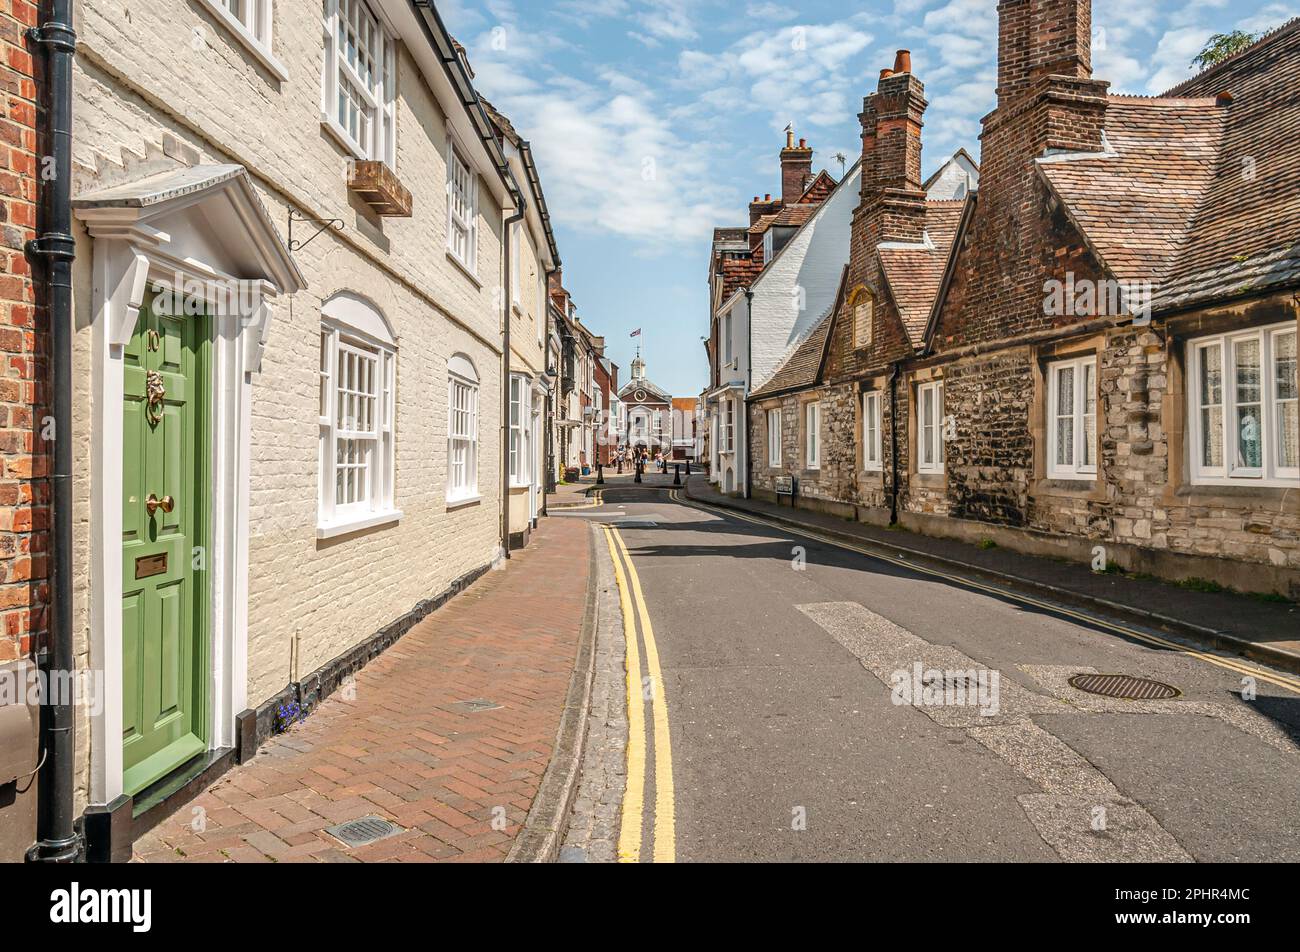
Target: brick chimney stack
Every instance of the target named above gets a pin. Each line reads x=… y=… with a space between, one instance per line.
x=893 y=201
x=1038 y=38
x=1045 y=70
x=796 y=168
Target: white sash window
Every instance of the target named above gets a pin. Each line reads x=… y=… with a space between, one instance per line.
x=462 y=430
x=1243 y=408
x=774 y=437
x=462 y=210
x=359 y=81
x=929 y=419
x=813 y=436
x=1072 y=419
x=358 y=451
x=872 y=456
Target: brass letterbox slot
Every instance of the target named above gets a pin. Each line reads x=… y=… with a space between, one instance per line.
x=147 y=566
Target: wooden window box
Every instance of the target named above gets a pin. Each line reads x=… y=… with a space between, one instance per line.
x=379 y=188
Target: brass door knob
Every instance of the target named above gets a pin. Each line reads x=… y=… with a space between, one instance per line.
x=153 y=503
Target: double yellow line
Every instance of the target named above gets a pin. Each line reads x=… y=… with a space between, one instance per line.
x=664 y=835
x=1245 y=669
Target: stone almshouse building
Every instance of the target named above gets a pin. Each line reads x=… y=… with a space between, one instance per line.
x=1104 y=363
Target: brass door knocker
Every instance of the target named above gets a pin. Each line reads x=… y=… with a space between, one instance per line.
x=154 y=391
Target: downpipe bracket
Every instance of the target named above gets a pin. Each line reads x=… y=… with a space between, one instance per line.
x=54 y=36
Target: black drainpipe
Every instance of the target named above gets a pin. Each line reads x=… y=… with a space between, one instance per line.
x=893 y=443
x=521 y=209
x=548 y=456
x=749 y=370
x=57 y=837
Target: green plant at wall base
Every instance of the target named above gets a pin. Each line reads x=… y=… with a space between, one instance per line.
x=1272 y=598
x=987 y=544
x=1202 y=585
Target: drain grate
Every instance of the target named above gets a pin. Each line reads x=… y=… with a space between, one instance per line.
x=477 y=706
x=363 y=832
x=1124 y=687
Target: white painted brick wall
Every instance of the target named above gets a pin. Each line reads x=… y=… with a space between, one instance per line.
x=139 y=79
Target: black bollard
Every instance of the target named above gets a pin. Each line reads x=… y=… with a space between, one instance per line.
x=688 y=467
x=600 y=474
x=677 y=475
x=638 y=472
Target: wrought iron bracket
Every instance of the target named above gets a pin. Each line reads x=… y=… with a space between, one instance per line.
x=322 y=225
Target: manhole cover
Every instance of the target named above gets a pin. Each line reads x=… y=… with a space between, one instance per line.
x=477 y=706
x=363 y=832
x=1124 y=687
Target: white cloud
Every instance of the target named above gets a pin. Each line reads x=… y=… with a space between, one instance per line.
x=611 y=157
x=1173 y=56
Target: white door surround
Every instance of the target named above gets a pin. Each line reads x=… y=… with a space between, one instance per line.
x=201 y=233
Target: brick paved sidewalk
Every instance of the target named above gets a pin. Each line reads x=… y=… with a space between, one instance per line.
x=403 y=749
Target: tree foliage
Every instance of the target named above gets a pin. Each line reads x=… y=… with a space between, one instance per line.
x=1222 y=45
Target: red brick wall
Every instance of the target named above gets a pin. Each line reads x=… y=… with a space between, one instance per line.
x=24 y=507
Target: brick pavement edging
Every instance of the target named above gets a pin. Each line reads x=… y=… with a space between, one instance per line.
x=1203 y=636
x=543 y=832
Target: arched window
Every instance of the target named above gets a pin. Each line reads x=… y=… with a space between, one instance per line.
x=358 y=381
x=462 y=429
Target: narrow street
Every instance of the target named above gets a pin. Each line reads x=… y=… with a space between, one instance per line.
x=778 y=654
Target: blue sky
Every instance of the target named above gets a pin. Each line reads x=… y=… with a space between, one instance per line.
x=655 y=120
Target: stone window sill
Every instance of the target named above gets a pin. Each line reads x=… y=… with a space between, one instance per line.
x=333 y=530
x=1046 y=488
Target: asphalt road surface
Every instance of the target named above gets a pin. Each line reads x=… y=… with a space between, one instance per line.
x=824 y=705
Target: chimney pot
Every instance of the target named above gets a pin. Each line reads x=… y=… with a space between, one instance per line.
x=767 y=197
x=903 y=61
x=803 y=143
x=886 y=73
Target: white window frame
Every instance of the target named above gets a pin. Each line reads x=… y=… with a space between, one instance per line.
x=462 y=210
x=1271 y=472
x=727 y=351
x=251 y=22
x=462 y=430
x=929 y=432
x=774 y=437
x=344 y=349
x=374 y=95
x=729 y=425
x=1076 y=468
x=812 y=443
x=517 y=453
x=872 y=445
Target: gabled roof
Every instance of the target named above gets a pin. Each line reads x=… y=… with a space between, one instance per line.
x=1200 y=197
x=1136 y=202
x=802 y=369
x=914 y=274
x=818 y=189
x=652 y=389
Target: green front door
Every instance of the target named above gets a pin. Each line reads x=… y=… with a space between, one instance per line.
x=164 y=607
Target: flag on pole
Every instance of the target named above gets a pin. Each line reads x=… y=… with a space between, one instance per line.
x=637 y=332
